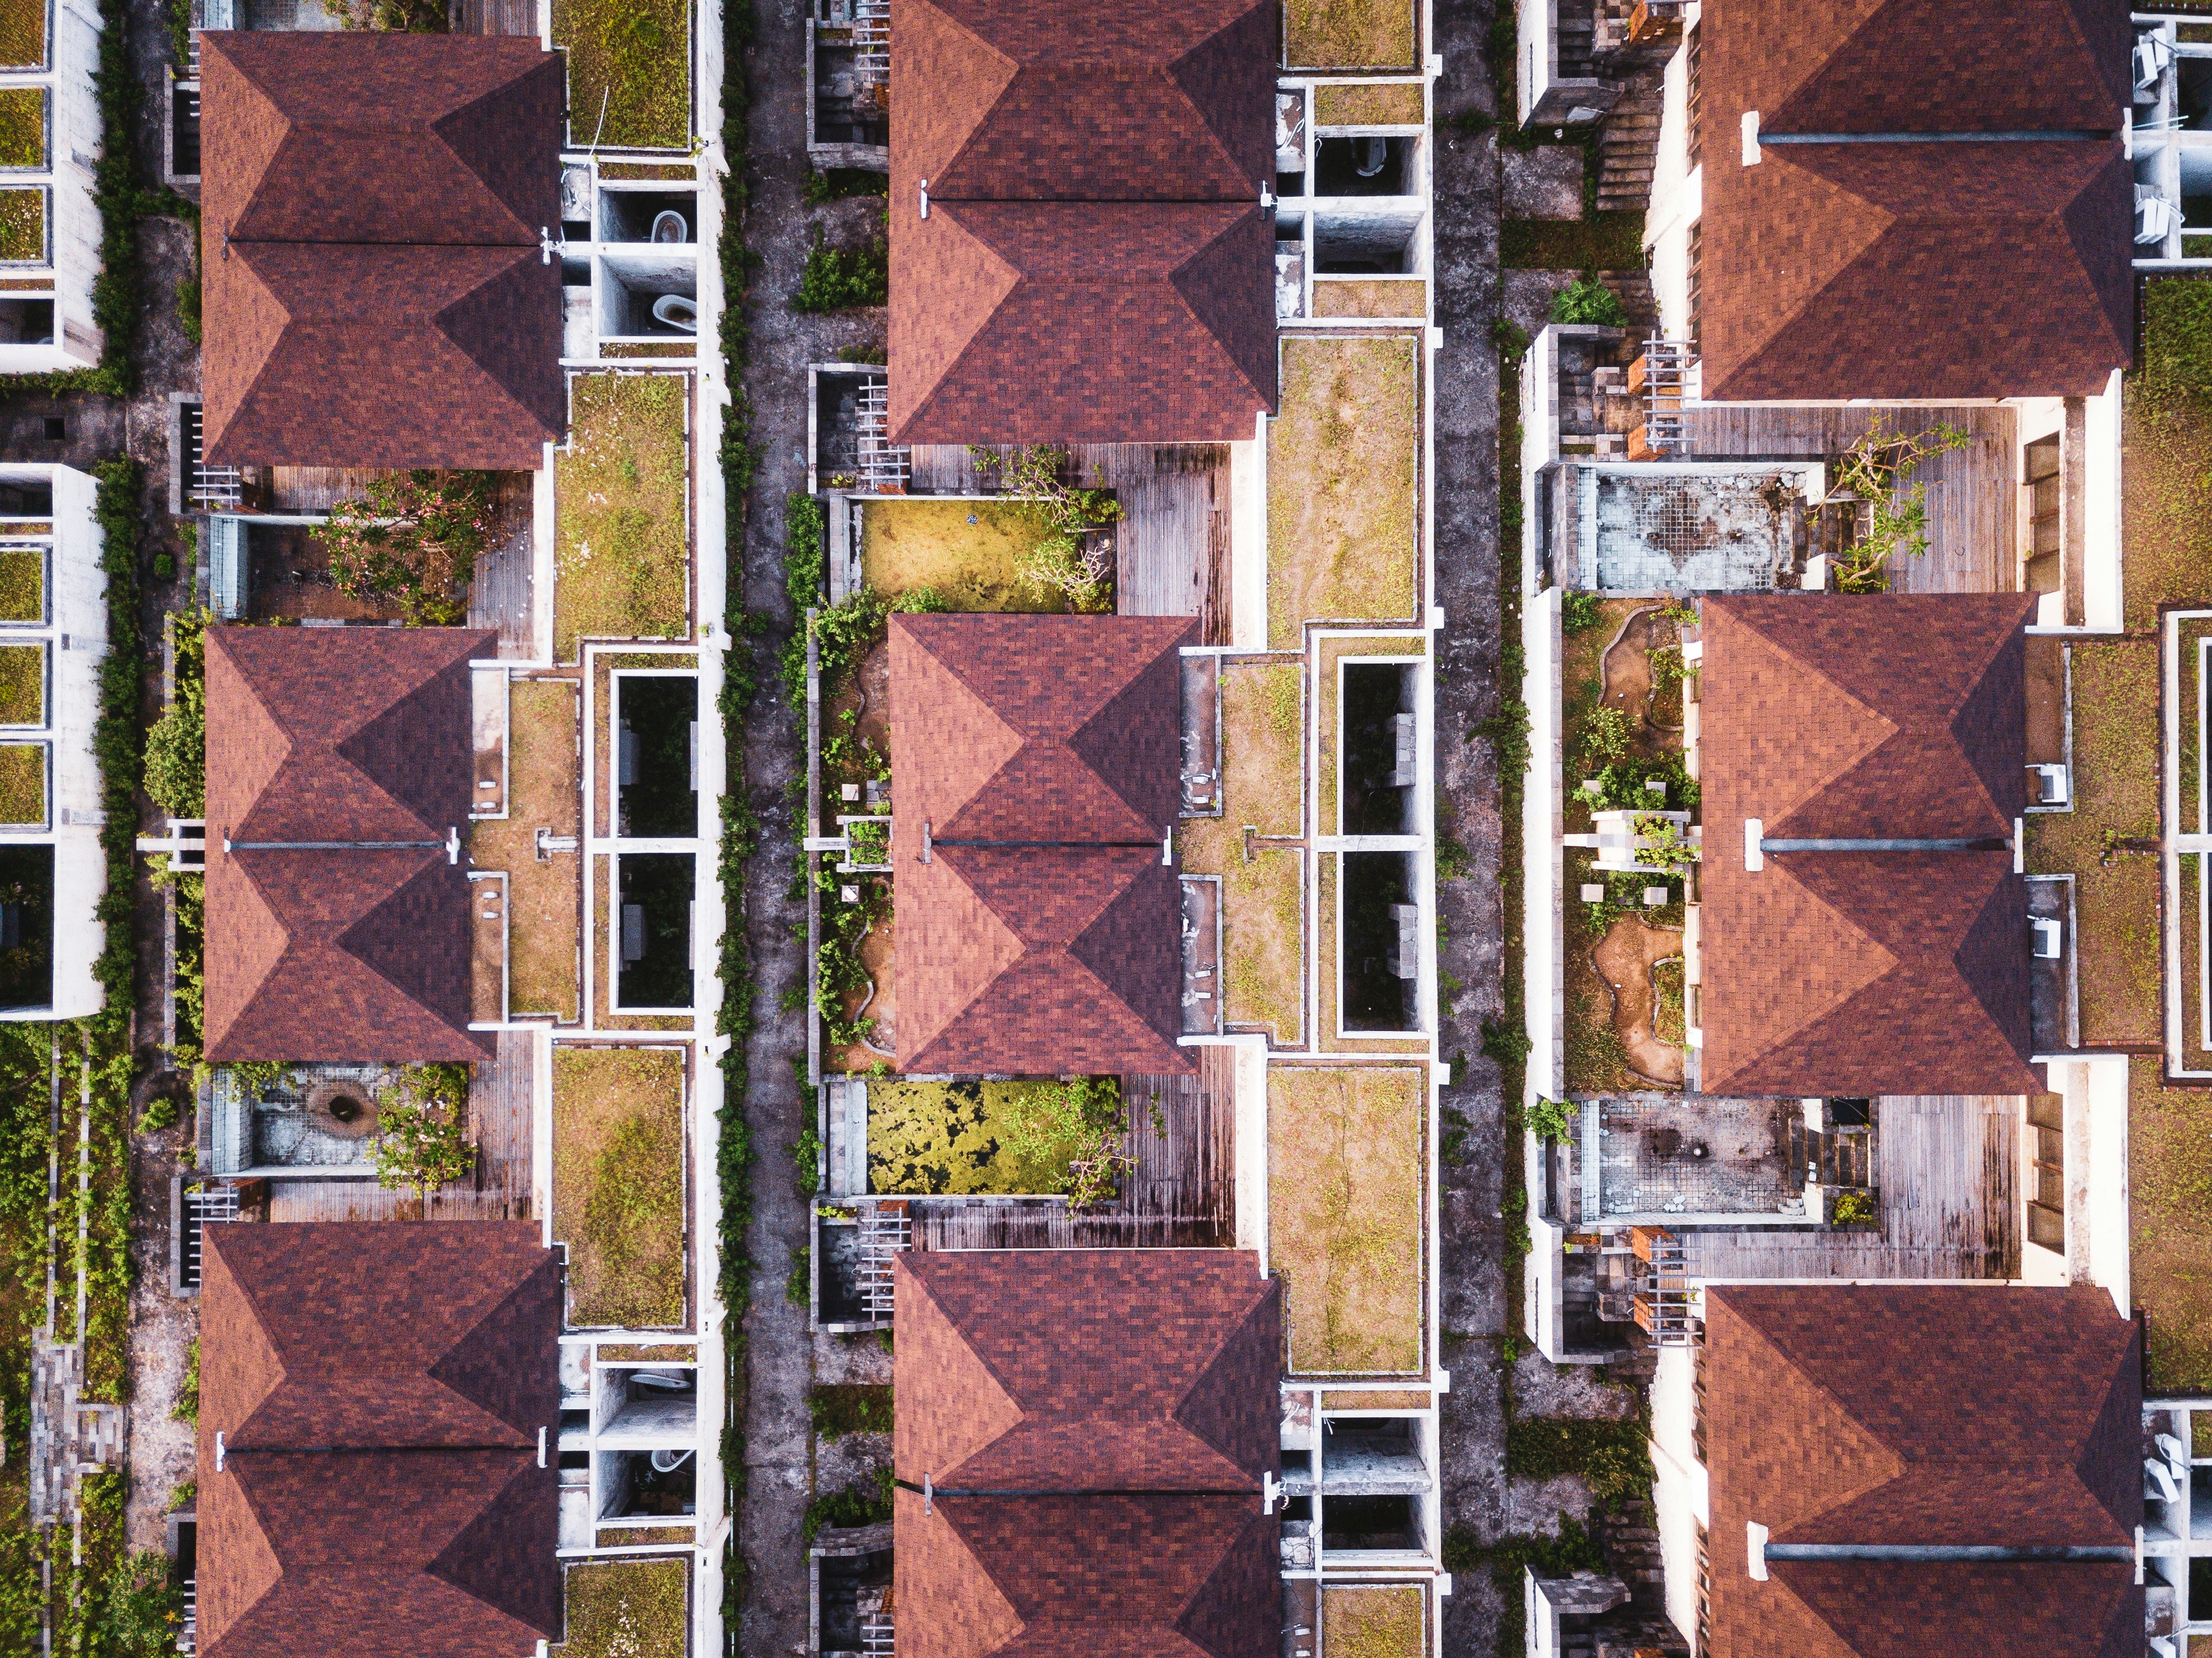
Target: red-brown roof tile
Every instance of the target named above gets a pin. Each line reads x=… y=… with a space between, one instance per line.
x=376 y=296
x=1912 y=1414
x=1118 y=1369
x=378 y=1390
x=321 y=735
x=1851 y=718
x=1038 y=959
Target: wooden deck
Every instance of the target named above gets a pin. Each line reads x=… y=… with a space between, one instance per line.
x=1973 y=493
x=1172 y=556
x=499 y=595
x=495 y=16
x=500 y=1113
x=1947 y=1173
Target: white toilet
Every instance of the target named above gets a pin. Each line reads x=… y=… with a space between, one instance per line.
x=676 y=311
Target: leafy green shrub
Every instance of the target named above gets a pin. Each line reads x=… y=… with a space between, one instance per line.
x=838 y=1408
x=806 y=1161
x=1579 y=612
x=1854 y=1209
x=868 y=1504
x=798 y=1287
x=837 y=279
x=187 y=1407
x=1552 y=1121
x=160 y=1113
x=843 y=633
x=1611 y=1457
x=414 y=538
x=420 y=1145
x=1618 y=783
x=1510 y=339
x=804 y=559
x=145 y=1608
x=1605 y=733
x=836 y=184
x=1588 y=300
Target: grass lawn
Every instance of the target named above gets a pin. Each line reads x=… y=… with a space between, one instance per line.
x=1262 y=916
x=23 y=126
x=970 y=552
x=1375 y=298
x=23 y=33
x=1341 y=457
x=627 y=1609
x=22 y=684
x=2170 y=1227
x=1344 y=1161
x=1262 y=706
x=1348 y=34
x=1367 y=107
x=618 y=1183
x=544 y=899
x=946 y=1137
x=1604 y=242
x=2116 y=691
x=633 y=59
x=2166 y=455
x=1373 y=1621
x=23 y=225
x=22 y=783
x=621 y=556
x=22 y=585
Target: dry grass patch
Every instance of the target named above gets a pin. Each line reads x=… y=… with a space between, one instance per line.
x=23 y=33
x=2170 y=1227
x=1345 y=1161
x=1342 y=461
x=1373 y=1621
x=1262 y=726
x=1262 y=923
x=969 y=552
x=22 y=783
x=618 y=1183
x=1367 y=107
x=1348 y=34
x=631 y=59
x=544 y=904
x=621 y=500
x=1372 y=297
x=22 y=684
x=22 y=585
x=629 y=1609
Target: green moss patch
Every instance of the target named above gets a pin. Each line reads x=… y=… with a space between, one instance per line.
x=22 y=783
x=23 y=33
x=838 y=1408
x=23 y=126
x=1344 y=1162
x=621 y=500
x=22 y=585
x=1348 y=34
x=938 y=1139
x=22 y=684
x=618 y=1183
x=969 y=553
x=629 y=1609
x=632 y=60
x=23 y=225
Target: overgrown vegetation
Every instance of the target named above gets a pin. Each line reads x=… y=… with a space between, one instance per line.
x=1612 y=1456
x=1065 y=1135
x=866 y=1504
x=1572 y=1549
x=629 y=73
x=618 y=1183
x=622 y=512
x=413 y=541
x=1071 y=559
x=176 y=746
x=844 y=279
x=838 y=1408
x=23 y=126
x=843 y=633
x=1877 y=470
x=627 y=1609
x=1588 y=300
x=421 y=1144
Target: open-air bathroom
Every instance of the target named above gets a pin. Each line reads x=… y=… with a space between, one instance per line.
x=1657 y=527
x=648 y=295
x=653 y=971
x=308 y=1119
x=656 y=756
x=1382 y=943
x=1380 y=748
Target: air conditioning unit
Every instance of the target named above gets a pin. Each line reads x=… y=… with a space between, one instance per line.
x=2047 y=939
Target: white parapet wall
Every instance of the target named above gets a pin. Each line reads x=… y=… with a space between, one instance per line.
x=1677 y=199
x=1542 y=866
x=1681 y=1498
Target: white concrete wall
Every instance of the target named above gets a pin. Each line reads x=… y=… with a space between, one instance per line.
x=2105 y=1199
x=1677 y=196
x=2100 y=561
x=1248 y=542
x=1538 y=38
x=1542 y=822
x=1681 y=1498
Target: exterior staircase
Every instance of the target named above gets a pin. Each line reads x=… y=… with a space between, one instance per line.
x=1629 y=147
x=885 y=1228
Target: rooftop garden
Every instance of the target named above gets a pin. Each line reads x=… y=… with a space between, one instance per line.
x=973 y=554
x=1621 y=731
x=1262 y=889
x=1031 y=1137
x=22 y=684
x=23 y=225
x=627 y=1609
x=1374 y=1620
x=630 y=72
x=1345 y=1157
x=2170 y=1228
x=23 y=126
x=1342 y=459
x=1348 y=34
x=621 y=505
x=1367 y=107
x=22 y=783
x=23 y=33
x=23 y=584
x=618 y=1157
x=1372 y=297
x=544 y=896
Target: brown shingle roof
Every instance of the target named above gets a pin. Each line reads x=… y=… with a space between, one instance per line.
x=1929 y=1415
x=380 y=1390
x=323 y=735
x=1122 y=1369
x=997 y=100
x=1037 y=960
x=1094 y=1426
x=375 y=292
x=1828 y=269
x=1863 y=972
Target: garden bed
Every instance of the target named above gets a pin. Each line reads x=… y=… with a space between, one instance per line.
x=2170 y=1228
x=23 y=225
x=1346 y=1157
x=1368 y=107
x=23 y=584
x=969 y=553
x=22 y=684
x=622 y=495
x=22 y=783
x=618 y=1165
x=23 y=126
x=1262 y=923
x=1348 y=34
x=632 y=59
x=23 y=33
x=544 y=902
x=627 y=1609
x=1374 y=1620
x=2166 y=455
x=937 y=1138
x=1342 y=459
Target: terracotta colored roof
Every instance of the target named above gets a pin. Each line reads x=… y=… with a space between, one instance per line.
x=1907 y=1414
x=376 y=295
x=352 y=734
x=1067 y=322
x=1039 y=959
x=996 y=101
x=378 y=1389
x=1899 y=717
x=1094 y=1426
x=1119 y=1369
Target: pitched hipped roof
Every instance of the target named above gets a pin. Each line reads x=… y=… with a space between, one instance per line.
x=356 y=735
x=379 y=1389
x=1931 y=1416
x=1828 y=267
x=1061 y=952
x=1863 y=971
x=376 y=293
x=1095 y=1427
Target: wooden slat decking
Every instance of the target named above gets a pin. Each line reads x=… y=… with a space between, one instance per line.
x=1947 y=1172
x=495 y=17
x=499 y=595
x=1973 y=493
x=499 y=1109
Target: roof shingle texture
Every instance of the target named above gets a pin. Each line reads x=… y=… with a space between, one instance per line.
x=380 y=1388
x=1828 y=269
x=1037 y=960
x=376 y=295
x=1094 y=266
x=352 y=734
x=1895 y=716
x=1094 y=1426
x=1931 y=1415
